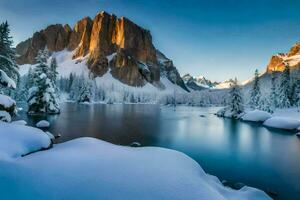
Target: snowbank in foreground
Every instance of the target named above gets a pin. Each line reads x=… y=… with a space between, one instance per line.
x=256 y=116
x=17 y=140
x=282 y=123
x=91 y=169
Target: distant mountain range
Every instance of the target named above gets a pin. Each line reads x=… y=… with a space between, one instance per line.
x=201 y=83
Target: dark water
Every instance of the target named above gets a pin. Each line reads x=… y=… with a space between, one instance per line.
x=232 y=150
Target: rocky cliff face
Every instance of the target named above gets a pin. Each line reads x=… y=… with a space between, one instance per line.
x=292 y=58
x=134 y=62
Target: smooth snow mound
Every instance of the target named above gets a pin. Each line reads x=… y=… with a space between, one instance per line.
x=43 y=124
x=256 y=116
x=17 y=140
x=88 y=168
x=282 y=123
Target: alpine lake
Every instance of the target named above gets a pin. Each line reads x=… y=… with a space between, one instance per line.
x=235 y=151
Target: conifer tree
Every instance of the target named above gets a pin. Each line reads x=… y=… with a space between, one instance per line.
x=284 y=88
x=8 y=73
x=236 y=102
x=255 y=92
x=53 y=71
x=29 y=78
x=42 y=97
x=7 y=105
x=7 y=54
x=71 y=79
x=273 y=95
x=296 y=90
x=85 y=92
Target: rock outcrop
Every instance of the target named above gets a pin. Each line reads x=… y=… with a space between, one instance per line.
x=276 y=63
x=54 y=37
x=134 y=62
x=295 y=50
x=279 y=61
x=80 y=37
x=168 y=70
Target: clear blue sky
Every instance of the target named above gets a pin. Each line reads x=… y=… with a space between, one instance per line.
x=219 y=39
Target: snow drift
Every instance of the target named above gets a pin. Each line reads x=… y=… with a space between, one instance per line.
x=256 y=116
x=282 y=123
x=88 y=168
x=17 y=140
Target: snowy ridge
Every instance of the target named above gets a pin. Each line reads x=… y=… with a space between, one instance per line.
x=204 y=83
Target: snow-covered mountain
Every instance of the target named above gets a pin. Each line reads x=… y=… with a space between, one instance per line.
x=202 y=83
x=192 y=83
x=104 y=46
x=224 y=84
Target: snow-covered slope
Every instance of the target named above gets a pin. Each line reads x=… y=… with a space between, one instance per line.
x=88 y=168
x=78 y=66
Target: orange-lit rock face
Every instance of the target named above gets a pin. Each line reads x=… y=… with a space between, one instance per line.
x=80 y=37
x=110 y=34
x=276 y=63
x=292 y=59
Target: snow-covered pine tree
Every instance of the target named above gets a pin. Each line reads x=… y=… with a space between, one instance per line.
x=42 y=97
x=236 y=102
x=85 y=92
x=7 y=104
x=7 y=54
x=77 y=81
x=29 y=78
x=273 y=93
x=8 y=73
x=70 y=82
x=255 y=92
x=265 y=105
x=284 y=88
x=296 y=92
x=53 y=70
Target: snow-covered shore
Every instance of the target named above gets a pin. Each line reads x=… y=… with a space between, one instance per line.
x=286 y=119
x=88 y=168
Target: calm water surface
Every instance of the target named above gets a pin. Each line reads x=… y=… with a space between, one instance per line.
x=232 y=150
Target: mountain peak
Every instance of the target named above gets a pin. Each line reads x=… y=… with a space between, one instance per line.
x=100 y=37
